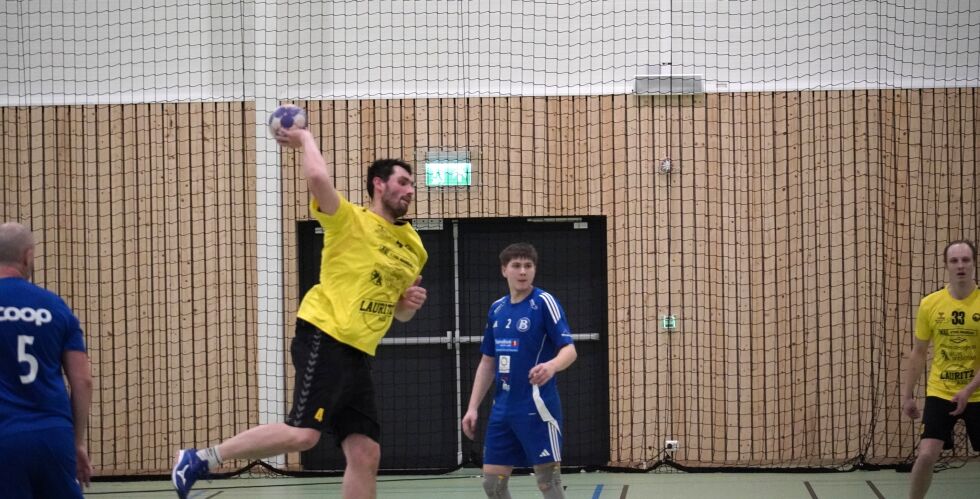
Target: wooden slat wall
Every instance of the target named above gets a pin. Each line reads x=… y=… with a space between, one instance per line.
x=146 y=220
x=793 y=239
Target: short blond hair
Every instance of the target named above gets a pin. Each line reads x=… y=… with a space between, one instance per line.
x=15 y=238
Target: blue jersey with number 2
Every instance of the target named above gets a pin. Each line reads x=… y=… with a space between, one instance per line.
x=521 y=336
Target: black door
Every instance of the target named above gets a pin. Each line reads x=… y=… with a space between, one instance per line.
x=414 y=369
x=572 y=267
x=423 y=371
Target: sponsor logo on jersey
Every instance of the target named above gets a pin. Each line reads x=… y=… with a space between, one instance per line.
x=503 y=364
x=39 y=317
x=959 y=355
x=377 y=307
x=507 y=344
x=961 y=375
x=955 y=376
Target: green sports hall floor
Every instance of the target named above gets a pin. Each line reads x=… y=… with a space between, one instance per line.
x=960 y=483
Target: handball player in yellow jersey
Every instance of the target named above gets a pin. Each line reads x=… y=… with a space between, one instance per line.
x=950 y=320
x=370 y=273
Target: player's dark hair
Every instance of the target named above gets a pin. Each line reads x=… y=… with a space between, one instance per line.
x=973 y=248
x=518 y=250
x=383 y=168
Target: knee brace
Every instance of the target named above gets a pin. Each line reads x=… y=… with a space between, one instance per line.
x=496 y=486
x=549 y=480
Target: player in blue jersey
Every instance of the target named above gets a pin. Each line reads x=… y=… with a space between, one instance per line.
x=526 y=341
x=42 y=429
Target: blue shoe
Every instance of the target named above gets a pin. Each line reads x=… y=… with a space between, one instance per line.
x=188 y=469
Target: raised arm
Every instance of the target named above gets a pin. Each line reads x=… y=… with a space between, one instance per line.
x=314 y=167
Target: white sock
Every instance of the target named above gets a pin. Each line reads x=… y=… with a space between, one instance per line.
x=211 y=456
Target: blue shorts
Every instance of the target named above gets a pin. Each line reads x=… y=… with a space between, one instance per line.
x=39 y=464
x=522 y=440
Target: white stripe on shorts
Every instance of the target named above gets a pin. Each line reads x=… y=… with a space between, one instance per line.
x=553 y=430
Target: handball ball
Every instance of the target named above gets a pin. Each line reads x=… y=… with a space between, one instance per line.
x=287 y=116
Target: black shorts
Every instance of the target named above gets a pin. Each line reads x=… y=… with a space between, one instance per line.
x=333 y=391
x=939 y=424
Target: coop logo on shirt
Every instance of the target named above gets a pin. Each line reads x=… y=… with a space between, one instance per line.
x=39 y=316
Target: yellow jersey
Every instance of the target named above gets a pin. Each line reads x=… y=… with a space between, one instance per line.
x=366 y=265
x=954 y=328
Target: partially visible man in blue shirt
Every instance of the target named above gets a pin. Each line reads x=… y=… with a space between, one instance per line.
x=42 y=428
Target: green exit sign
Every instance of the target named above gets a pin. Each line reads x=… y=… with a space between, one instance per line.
x=669 y=322
x=448 y=173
